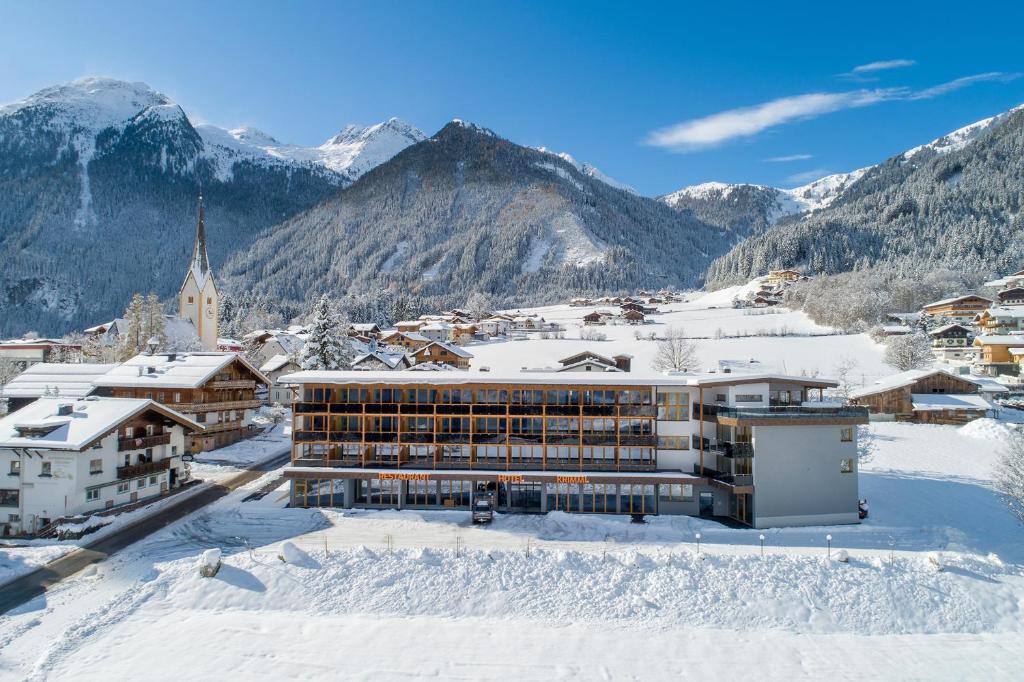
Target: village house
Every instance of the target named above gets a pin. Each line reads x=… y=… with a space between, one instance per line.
x=933 y=396
x=437 y=331
x=53 y=379
x=404 y=340
x=269 y=343
x=994 y=357
x=409 y=325
x=217 y=390
x=587 y=361
x=1008 y=282
x=364 y=330
x=61 y=457
x=594 y=318
x=273 y=369
x=27 y=352
x=378 y=360
x=1011 y=297
x=462 y=334
x=443 y=353
x=951 y=343
x=777 y=277
x=1004 y=319
x=495 y=326
x=962 y=309
x=633 y=317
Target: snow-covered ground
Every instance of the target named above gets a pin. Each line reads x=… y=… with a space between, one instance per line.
x=409 y=595
x=722 y=332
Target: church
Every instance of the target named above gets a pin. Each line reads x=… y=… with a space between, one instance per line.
x=198 y=300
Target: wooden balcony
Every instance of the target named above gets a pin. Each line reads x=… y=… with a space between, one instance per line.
x=143 y=442
x=193 y=408
x=144 y=469
x=231 y=383
x=222 y=426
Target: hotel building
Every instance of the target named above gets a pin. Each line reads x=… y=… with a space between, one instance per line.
x=748 y=447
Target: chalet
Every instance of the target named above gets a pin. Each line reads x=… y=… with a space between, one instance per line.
x=439 y=352
x=270 y=342
x=765 y=300
x=437 y=331
x=406 y=340
x=994 y=357
x=524 y=322
x=951 y=343
x=1008 y=282
x=377 y=360
x=273 y=369
x=1012 y=296
x=364 y=329
x=579 y=302
x=495 y=326
x=593 y=318
x=410 y=325
x=52 y=379
x=962 y=309
x=1003 y=319
x=638 y=307
x=633 y=317
x=934 y=396
x=217 y=390
x=64 y=457
x=27 y=352
x=463 y=333
x=621 y=361
x=782 y=276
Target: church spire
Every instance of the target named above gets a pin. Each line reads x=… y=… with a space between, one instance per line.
x=200 y=261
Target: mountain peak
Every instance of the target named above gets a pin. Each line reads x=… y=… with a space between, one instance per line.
x=355 y=150
x=459 y=124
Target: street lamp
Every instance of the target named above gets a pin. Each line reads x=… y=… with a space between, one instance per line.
x=762 y=545
x=828 y=538
x=698 y=543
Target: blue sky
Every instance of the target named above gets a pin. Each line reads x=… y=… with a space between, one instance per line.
x=657 y=96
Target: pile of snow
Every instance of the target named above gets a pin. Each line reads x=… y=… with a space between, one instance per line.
x=988 y=429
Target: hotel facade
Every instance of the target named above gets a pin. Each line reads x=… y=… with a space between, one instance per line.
x=748 y=447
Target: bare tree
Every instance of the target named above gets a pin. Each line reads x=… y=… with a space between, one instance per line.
x=844 y=371
x=675 y=352
x=1009 y=474
x=912 y=351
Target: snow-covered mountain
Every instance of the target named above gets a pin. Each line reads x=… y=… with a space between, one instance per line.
x=589 y=170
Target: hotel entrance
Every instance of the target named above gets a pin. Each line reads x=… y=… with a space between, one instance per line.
x=521 y=497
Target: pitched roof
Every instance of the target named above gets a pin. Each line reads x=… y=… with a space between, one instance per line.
x=185 y=370
x=939 y=402
x=947 y=301
x=946 y=328
x=999 y=340
x=91 y=418
x=455 y=350
x=68 y=380
x=907 y=378
x=392 y=360
x=275 y=363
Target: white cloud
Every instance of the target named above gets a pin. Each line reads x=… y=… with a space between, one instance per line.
x=790 y=157
x=803 y=177
x=746 y=121
x=716 y=129
x=883 y=65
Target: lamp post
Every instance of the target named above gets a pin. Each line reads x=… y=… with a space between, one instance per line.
x=698 y=543
x=762 y=545
x=828 y=539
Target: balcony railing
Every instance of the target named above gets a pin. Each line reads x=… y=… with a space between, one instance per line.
x=478 y=464
x=231 y=383
x=143 y=469
x=790 y=411
x=193 y=408
x=217 y=427
x=143 y=442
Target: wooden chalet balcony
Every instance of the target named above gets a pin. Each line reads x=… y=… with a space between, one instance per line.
x=143 y=442
x=223 y=426
x=231 y=383
x=136 y=470
x=192 y=408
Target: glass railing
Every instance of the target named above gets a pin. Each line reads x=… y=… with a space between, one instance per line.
x=788 y=412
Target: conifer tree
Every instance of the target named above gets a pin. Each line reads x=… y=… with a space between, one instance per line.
x=328 y=346
x=133 y=339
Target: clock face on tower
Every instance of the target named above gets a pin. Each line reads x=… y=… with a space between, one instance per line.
x=209 y=312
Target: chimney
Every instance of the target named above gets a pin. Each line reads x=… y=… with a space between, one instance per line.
x=64 y=410
x=623 y=362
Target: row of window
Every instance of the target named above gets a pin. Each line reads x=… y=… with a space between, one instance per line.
x=467 y=453
x=479 y=396
x=534 y=426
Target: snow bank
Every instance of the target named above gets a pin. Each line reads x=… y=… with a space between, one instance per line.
x=987 y=429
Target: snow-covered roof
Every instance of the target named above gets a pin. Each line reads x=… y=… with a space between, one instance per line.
x=390 y=359
x=936 y=402
x=999 y=339
x=901 y=328
x=945 y=328
x=90 y=418
x=60 y=379
x=989 y=385
x=907 y=378
x=955 y=299
x=365 y=326
x=1017 y=351
x=453 y=349
x=413 y=376
x=1004 y=311
x=173 y=370
x=275 y=363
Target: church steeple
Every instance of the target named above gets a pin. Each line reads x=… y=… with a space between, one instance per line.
x=200 y=261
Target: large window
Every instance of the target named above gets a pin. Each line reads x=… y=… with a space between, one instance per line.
x=9 y=498
x=676 y=492
x=637 y=499
x=673 y=406
x=673 y=443
x=95 y=466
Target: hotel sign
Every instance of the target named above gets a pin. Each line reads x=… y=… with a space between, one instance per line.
x=403 y=477
x=571 y=479
x=510 y=478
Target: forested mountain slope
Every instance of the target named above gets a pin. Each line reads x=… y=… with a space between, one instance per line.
x=951 y=204
x=469 y=211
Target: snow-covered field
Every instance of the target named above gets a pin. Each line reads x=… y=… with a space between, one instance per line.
x=810 y=349
x=934 y=586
